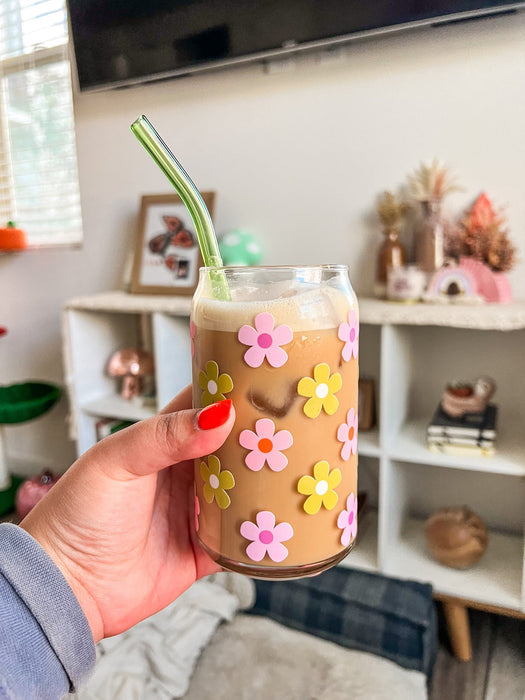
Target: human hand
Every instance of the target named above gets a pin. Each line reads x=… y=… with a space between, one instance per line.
x=120 y=523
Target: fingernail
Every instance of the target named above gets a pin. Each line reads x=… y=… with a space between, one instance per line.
x=214 y=415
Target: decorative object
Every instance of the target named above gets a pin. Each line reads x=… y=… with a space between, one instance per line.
x=464 y=423
x=132 y=366
x=468 y=435
x=32 y=491
x=463 y=397
x=453 y=283
x=12 y=238
x=429 y=185
x=239 y=247
x=406 y=283
x=20 y=403
x=491 y=286
x=167 y=255
x=456 y=537
x=482 y=246
x=482 y=235
x=366 y=408
x=391 y=253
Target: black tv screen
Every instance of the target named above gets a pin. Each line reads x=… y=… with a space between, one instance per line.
x=121 y=42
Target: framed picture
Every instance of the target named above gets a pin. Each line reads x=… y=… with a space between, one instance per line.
x=366 y=409
x=167 y=254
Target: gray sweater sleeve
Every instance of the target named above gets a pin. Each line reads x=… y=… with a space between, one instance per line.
x=46 y=645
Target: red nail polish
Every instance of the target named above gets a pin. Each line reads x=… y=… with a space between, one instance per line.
x=214 y=415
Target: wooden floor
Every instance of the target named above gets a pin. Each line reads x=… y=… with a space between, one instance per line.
x=497 y=669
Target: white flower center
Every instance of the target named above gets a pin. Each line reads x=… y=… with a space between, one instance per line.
x=321 y=391
x=214 y=481
x=321 y=488
x=212 y=387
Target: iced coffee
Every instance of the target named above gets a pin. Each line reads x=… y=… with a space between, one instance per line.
x=279 y=498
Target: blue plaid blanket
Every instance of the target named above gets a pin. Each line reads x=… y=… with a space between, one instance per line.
x=388 y=617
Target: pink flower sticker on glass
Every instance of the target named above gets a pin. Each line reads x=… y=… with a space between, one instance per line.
x=266 y=445
x=349 y=333
x=265 y=341
x=193 y=330
x=266 y=537
x=197 y=513
x=347 y=521
x=347 y=434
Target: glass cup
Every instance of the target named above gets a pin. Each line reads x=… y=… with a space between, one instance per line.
x=279 y=498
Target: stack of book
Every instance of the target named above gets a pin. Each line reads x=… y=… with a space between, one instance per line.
x=470 y=434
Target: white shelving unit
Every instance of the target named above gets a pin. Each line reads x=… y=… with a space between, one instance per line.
x=96 y=326
x=411 y=351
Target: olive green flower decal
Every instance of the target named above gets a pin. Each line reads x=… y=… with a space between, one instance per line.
x=216 y=482
x=213 y=384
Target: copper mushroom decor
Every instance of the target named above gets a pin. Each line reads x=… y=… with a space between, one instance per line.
x=132 y=365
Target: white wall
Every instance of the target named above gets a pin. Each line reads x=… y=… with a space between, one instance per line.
x=297 y=157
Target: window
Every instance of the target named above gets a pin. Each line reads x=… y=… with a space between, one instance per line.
x=38 y=162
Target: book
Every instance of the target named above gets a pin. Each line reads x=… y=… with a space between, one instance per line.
x=461 y=440
x=477 y=426
x=462 y=450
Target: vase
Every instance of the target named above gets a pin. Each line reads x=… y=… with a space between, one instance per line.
x=391 y=254
x=429 y=238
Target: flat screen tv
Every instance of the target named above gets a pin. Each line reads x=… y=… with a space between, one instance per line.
x=122 y=42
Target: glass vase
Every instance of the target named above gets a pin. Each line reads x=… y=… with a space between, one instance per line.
x=429 y=239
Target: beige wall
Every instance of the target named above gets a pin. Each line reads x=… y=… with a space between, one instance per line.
x=298 y=157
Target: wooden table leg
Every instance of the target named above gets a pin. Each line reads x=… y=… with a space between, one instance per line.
x=456 y=616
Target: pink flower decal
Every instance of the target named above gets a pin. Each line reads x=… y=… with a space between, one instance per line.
x=347 y=521
x=197 y=513
x=193 y=330
x=266 y=537
x=265 y=341
x=347 y=434
x=266 y=445
x=349 y=332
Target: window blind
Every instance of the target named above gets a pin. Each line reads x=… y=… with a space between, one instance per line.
x=38 y=163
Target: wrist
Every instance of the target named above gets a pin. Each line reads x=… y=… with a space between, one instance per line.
x=85 y=600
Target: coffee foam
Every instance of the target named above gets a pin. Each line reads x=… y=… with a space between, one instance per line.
x=302 y=310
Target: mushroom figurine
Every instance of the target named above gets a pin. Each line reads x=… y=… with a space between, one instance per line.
x=132 y=366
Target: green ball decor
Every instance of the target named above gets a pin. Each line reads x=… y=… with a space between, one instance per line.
x=239 y=247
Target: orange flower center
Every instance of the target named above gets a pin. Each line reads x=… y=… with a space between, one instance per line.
x=351 y=433
x=265 y=445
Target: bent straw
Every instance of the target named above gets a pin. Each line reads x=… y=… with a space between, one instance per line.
x=188 y=192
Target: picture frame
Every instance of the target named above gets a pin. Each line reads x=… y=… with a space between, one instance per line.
x=366 y=409
x=167 y=256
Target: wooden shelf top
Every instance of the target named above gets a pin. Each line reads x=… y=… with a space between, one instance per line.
x=500 y=317
x=124 y=302
x=482 y=316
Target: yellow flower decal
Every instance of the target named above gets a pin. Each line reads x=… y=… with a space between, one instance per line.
x=214 y=385
x=320 y=390
x=320 y=488
x=216 y=482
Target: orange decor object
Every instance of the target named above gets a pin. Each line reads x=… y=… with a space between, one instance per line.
x=12 y=238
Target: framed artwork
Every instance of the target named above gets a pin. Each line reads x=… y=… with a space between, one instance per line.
x=167 y=254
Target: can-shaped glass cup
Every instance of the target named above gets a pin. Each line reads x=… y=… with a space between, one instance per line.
x=279 y=498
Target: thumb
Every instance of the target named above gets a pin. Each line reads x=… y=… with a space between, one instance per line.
x=156 y=443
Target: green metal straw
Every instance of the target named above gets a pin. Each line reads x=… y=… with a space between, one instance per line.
x=188 y=192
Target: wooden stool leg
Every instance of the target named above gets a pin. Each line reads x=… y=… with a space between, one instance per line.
x=456 y=616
